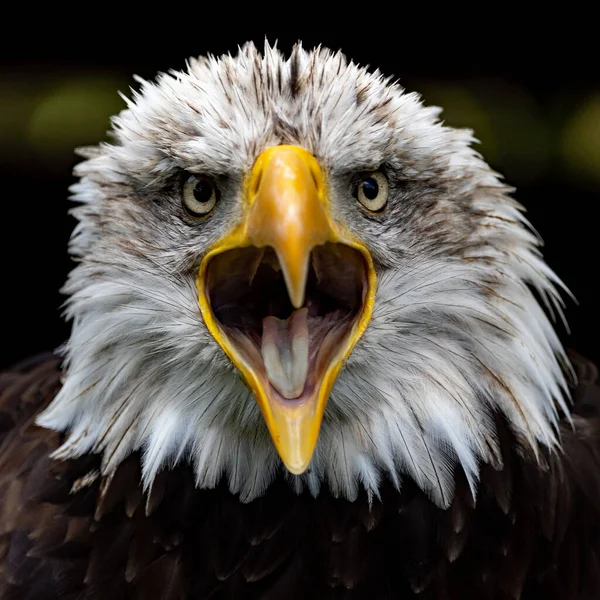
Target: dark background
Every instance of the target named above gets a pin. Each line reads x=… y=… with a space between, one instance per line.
x=534 y=104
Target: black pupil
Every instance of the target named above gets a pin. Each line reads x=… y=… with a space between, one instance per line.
x=203 y=190
x=370 y=188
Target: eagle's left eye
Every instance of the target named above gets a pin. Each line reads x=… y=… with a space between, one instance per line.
x=200 y=195
x=372 y=191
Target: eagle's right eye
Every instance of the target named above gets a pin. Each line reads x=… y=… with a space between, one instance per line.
x=200 y=195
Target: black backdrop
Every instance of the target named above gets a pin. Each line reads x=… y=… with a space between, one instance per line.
x=534 y=106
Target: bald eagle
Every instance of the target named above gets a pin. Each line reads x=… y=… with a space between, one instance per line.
x=310 y=358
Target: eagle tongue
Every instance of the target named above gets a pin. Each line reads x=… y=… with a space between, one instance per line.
x=285 y=352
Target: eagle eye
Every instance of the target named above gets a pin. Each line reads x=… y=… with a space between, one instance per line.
x=372 y=191
x=200 y=195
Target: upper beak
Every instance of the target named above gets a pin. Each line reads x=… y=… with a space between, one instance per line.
x=286 y=209
x=288 y=212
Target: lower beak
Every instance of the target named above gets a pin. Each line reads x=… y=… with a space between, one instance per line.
x=287 y=294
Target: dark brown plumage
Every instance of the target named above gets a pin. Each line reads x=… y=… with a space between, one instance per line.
x=66 y=533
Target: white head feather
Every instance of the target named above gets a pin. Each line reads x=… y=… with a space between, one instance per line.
x=456 y=336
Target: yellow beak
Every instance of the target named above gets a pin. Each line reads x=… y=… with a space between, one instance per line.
x=286 y=209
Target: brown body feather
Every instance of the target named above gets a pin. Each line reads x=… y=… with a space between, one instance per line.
x=67 y=533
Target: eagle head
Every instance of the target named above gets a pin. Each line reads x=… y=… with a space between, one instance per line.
x=289 y=266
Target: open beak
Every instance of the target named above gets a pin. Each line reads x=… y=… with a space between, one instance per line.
x=287 y=293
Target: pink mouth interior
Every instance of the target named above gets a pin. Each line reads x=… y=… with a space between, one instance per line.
x=250 y=302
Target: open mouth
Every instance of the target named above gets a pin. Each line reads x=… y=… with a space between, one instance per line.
x=288 y=349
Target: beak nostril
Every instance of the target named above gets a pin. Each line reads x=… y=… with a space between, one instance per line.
x=314 y=176
x=257 y=179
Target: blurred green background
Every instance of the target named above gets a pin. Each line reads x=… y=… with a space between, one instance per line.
x=44 y=115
